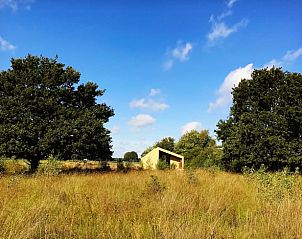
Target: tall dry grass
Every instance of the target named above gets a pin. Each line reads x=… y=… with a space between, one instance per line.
x=170 y=204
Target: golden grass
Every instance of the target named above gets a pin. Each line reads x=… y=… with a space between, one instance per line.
x=176 y=204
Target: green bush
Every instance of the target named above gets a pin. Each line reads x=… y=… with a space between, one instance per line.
x=50 y=168
x=191 y=177
x=154 y=186
x=121 y=167
x=104 y=166
x=272 y=185
x=162 y=165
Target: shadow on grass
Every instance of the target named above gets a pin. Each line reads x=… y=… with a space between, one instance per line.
x=81 y=170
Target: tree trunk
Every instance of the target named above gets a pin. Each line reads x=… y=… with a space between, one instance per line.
x=34 y=164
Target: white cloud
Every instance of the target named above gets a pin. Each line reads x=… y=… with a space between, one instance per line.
x=154 y=92
x=191 y=126
x=6 y=46
x=225 y=14
x=180 y=53
x=273 y=63
x=292 y=55
x=16 y=4
x=231 y=80
x=142 y=120
x=289 y=57
x=231 y=3
x=149 y=104
x=115 y=129
x=221 y=30
x=234 y=77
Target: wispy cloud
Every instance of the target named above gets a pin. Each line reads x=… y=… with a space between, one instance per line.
x=292 y=55
x=273 y=63
x=6 y=46
x=289 y=57
x=154 y=92
x=141 y=120
x=231 y=3
x=220 y=29
x=180 y=53
x=225 y=14
x=224 y=96
x=194 y=125
x=152 y=102
x=148 y=104
x=16 y=4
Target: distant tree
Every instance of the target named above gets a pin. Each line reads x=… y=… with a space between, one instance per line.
x=265 y=122
x=167 y=143
x=44 y=112
x=131 y=156
x=199 y=149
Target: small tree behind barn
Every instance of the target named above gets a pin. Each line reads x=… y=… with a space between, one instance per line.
x=131 y=156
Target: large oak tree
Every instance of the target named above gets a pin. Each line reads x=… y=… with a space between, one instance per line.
x=44 y=111
x=265 y=122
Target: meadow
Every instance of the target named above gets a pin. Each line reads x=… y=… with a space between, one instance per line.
x=151 y=204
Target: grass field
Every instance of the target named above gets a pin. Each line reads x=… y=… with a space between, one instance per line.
x=151 y=204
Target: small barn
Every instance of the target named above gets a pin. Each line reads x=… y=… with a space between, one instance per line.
x=150 y=160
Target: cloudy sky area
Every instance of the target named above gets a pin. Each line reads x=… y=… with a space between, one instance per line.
x=167 y=66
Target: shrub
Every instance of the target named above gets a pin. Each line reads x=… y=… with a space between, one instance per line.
x=272 y=185
x=154 y=186
x=191 y=177
x=121 y=167
x=104 y=166
x=50 y=168
x=162 y=165
x=172 y=166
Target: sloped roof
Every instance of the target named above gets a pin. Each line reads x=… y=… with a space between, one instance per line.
x=169 y=152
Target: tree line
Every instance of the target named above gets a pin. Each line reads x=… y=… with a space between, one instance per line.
x=45 y=111
x=198 y=148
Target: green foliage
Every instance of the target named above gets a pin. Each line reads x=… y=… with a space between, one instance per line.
x=162 y=165
x=199 y=149
x=14 y=167
x=265 y=122
x=52 y=167
x=154 y=186
x=272 y=185
x=43 y=112
x=167 y=143
x=104 y=166
x=192 y=179
x=131 y=156
x=123 y=167
x=120 y=166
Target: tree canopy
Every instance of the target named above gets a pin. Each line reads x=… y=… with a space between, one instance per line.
x=198 y=148
x=265 y=122
x=45 y=112
x=131 y=156
x=167 y=143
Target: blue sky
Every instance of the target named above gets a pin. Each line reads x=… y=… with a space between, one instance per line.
x=167 y=66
